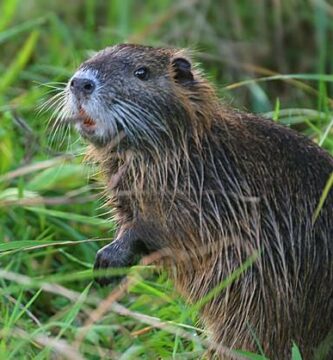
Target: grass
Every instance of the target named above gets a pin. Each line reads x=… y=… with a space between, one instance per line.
x=275 y=60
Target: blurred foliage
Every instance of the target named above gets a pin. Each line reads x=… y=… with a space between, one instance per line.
x=267 y=56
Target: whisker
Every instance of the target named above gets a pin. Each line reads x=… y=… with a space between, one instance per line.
x=48 y=103
x=52 y=84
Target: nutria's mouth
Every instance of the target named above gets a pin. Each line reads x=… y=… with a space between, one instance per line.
x=86 y=120
x=96 y=131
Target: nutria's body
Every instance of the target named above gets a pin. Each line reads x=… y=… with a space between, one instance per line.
x=212 y=186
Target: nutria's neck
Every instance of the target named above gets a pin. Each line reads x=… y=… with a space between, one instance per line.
x=155 y=177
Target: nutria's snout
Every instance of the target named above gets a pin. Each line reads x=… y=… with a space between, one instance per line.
x=86 y=110
x=82 y=87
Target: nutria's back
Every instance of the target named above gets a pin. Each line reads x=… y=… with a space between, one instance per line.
x=211 y=187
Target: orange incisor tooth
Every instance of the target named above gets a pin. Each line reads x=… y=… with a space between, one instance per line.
x=87 y=120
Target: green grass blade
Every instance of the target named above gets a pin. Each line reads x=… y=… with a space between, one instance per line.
x=295 y=353
x=328 y=186
x=73 y=217
x=24 y=27
x=20 y=62
x=7 y=12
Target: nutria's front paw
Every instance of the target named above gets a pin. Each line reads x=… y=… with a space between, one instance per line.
x=114 y=255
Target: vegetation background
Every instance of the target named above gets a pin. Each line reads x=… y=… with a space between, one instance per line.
x=268 y=56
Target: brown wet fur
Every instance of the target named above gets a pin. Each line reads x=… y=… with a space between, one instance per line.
x=213 y=188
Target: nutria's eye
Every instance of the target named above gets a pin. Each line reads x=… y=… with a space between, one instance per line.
x=142 y=73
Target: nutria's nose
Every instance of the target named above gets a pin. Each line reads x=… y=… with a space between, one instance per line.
x=82 y=86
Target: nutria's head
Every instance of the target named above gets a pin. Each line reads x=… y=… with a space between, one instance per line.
x=141 y=92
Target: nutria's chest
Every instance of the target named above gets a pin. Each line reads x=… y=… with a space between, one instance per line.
x=133 y=192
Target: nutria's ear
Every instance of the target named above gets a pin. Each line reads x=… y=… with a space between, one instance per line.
x=182 y=68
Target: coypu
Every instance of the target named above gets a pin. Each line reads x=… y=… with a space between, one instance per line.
x=211 y=186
